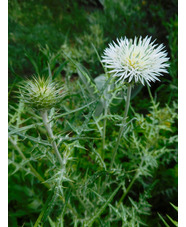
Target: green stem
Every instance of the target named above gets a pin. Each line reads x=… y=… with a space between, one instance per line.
x=151 y=97
x=50 y=133
x=104 y=131
x=102 y=153
x=122 y=126
x=131 y=183
x=128 y=189
x=34 y=171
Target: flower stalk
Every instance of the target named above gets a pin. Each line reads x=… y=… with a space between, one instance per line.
x=47 y=125
x=137 y=174
x=122 y=125
x=128 y=188
x=104 y=130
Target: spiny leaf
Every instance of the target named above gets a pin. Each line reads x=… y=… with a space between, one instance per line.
x=175 y=207
x=37 y=223
x=103 y=200
x=173 y=221
x=165 y=223
x=49 y=204
x=36 y=140
x=73 y=111
x=25 y=128
x=93 y=107
x=99 y=55
x=87 y=80
x=62 y=139
x=100 y=211
x=102 y=163
x=18 y=166
x=52 y=224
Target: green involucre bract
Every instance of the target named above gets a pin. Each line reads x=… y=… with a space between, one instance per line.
x=41 y=93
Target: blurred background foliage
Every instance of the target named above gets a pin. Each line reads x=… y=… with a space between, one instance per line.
x=72 y=27
x=46 y=33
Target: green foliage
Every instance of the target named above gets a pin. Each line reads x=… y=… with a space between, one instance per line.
x=147 y=147
x=62 y=39
x=171 y=220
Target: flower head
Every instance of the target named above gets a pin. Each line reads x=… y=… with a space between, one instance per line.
x=138 y=60
x=41 y=93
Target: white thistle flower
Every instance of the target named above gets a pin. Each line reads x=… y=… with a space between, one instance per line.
x=138 y=60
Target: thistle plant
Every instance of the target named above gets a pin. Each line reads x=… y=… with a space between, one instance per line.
x=133 y=62
x=42 y=94
x=86 y=190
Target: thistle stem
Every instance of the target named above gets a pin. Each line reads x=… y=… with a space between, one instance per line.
x=150 y=94
x=128 y=188
x=122 y=126
x=104 y=132
x=47 y=125
x=131 y=183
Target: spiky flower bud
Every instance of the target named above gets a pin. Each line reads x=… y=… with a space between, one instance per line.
x=41 y=94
